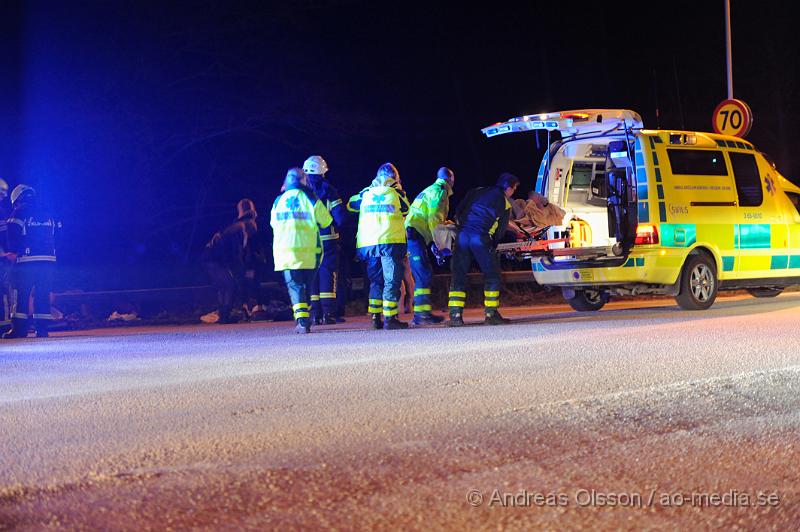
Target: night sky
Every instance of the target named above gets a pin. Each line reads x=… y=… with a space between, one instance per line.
x=143 y=123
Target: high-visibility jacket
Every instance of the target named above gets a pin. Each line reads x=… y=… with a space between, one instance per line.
x=32 y=235
x=381 y=212
x=430 y=209
x=296 y=218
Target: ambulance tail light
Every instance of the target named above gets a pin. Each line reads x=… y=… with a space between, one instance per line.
x=646 y=234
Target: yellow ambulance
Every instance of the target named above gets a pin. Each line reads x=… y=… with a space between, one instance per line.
x=680 y=213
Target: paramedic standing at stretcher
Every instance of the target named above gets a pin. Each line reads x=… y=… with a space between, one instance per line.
x=482 y=218
x=427 y=212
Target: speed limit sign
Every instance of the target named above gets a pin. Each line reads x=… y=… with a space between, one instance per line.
x=732 y=117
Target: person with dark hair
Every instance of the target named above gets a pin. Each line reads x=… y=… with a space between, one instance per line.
x=32 y=249
x=224 y=257
x=296 y=219
x=381 y=243
x=5 y=262
x=427 y=212
x=482 y=218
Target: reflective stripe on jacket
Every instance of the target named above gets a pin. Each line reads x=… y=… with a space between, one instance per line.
x=381 y=216
x=429 y=209
x=296 y=218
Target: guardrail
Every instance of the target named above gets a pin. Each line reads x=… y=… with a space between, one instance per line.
x=154 y=300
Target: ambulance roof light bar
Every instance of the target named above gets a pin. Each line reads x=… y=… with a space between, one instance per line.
x=570 y=122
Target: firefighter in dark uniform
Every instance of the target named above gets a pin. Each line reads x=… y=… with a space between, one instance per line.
x=5 y=263
x=323 y=293
x=32 y=249
x=224 y=257
x=482 y=219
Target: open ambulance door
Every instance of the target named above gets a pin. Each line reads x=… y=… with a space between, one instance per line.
x=622 y=201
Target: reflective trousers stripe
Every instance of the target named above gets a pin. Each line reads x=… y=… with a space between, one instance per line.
x=389 y=312
x=301 y=310
x=422 y=291
x=491 y=293
x=457 y=298
x=314 y=298
x=327 y=295
x=422 y=308
x=491 y=303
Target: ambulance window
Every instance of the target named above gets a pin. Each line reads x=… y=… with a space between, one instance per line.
x=748 y=180
x=697 y=162
x=581 y=175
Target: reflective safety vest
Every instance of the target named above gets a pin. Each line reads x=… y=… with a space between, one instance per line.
x=430 y=209
x=381 y=214
x=296 y=218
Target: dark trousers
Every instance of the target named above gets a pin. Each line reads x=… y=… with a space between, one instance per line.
x=421 y=270
x=223 y=280
x=37 y=277
x=481 y=248
x=323 y=291
x=6 y=300
x=299 y=283
x=385 y=277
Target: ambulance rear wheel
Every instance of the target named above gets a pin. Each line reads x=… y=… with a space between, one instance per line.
x=588 y=300
x=765 y=292
x=698 y=283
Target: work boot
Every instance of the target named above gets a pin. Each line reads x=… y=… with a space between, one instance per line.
x=426 y=318
x=19 y=329
x=328 y=319
x=393 y=324
x=456 y=320
x=377 y=321
x=494 y=318
x=41 y=329
x=303 y=326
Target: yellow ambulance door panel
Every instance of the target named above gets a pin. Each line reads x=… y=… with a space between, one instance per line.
x=700 y=203
x=761 y=231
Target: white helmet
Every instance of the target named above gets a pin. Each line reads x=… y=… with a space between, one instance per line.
x=21 y=190
x=315 y=165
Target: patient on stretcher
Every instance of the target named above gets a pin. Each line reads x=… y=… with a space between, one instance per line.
x=529 y=216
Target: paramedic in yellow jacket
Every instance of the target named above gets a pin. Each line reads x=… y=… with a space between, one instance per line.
x=296 y=218
x=381 y=243
x=428 y=211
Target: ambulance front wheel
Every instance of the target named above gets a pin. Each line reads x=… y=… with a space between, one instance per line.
x=586 y=300
x=698 y=283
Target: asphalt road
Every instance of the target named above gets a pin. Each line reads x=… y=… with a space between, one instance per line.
x=641 y=415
